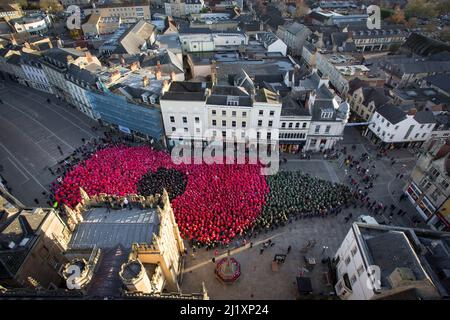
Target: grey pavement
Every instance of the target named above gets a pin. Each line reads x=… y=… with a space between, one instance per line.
x=31 y=132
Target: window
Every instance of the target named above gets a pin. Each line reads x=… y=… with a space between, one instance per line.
x=396 y=127
x=224 y=112
x=347 y=260
x=244 y=113
x=304 y=125
x=283 y=125
x=214 y=122
x=360 y=270
x=213 y=112
x=224 y=123
x=317 y=129
x=258 y=135
x=270 y=123
x=259 y=123
x=353 y=280
x=197 y=130
x=327 y=129
x=197 y=119
x=224 y=134
x=172 y=119
x=173 y=129
x=290 y=124
x=185 y=129
x=272 y=113
x=269 y=135
x=233 y=124
x=244 y=124
x=297 y=125
x=444 y=184
x=424 y=134
x=421 y=127
x=261 y=112
x=435 y=195
x=434 y=173
x=184 y=119
x=354 y=250
x=233 y=113
x=416 y=135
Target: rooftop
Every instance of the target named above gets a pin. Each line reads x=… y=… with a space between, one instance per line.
x=119 y=227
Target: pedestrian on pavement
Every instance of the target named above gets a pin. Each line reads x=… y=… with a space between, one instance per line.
x=36 y=200
x=213 y=260
x=251 y=244
x=289 y=249
x=261 y=251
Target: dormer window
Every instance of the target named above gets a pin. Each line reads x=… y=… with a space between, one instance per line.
x=327 y=114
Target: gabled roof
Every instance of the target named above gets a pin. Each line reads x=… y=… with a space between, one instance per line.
x=132 y=40
x=375 y=94
x=392 y=113
x=424 y=117
x=441 y=81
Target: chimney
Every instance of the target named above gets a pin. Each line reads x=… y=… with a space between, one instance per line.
x=122 y=61
x=135 y=66
x=115 y=75
x=165 y=87
x=88 y=56
x=412 y=112
x=158 y=73
x=172 y=76
x=213 y=72
x=145 y=81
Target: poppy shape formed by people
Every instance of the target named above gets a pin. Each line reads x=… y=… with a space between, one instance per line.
x=219 y=202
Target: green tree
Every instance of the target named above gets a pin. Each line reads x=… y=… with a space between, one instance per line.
x=421 y=8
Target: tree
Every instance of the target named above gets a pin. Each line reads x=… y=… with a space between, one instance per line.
x=51 y=5
x=445 y=35
x=398 y=17
x=442 y=7
x=421 y=8
x=301 y=8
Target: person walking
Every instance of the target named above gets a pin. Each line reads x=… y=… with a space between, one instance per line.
x=289 y=249
x=36 y=200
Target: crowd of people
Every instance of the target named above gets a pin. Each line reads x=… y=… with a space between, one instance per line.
x=295 y=195
x=115 y=171
x=221 y=202
x=174 y=181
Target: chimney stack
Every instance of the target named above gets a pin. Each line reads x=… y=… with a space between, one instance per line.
x=213 y=72
x=145 y=81
x=135 y=66
x=122 y=61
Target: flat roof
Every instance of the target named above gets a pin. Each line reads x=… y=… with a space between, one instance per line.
x=118 y=227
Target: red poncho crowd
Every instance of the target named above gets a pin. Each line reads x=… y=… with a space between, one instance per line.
x=219 y=203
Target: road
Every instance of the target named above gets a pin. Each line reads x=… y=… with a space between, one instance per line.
x=31 y=131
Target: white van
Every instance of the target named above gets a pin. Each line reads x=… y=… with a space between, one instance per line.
x=367 y=219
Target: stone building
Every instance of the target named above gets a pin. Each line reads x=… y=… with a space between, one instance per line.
x=429 y=187
x=32 y=245
x=136 y=250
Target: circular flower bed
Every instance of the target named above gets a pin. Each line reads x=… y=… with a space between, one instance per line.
x=228 y=270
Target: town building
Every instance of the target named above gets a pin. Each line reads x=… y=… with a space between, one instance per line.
x=143 y=252
x=10 y=11
x=34 y=73
x=33 y=242
x=429 y=189
x=403 y=71
x=271 y=42
x=128 y=11
x=56 y=62
x=376 y=262
x=98 y=25
x=175 y=8
x=294 y=35
x=365 y=100
x=397 y=126
x=34 y=24
x=197 y=111
x=194 y=6
x=295 y=120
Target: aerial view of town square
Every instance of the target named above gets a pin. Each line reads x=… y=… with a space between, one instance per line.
x=224 y=150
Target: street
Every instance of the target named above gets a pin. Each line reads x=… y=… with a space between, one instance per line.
x=31 y=132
